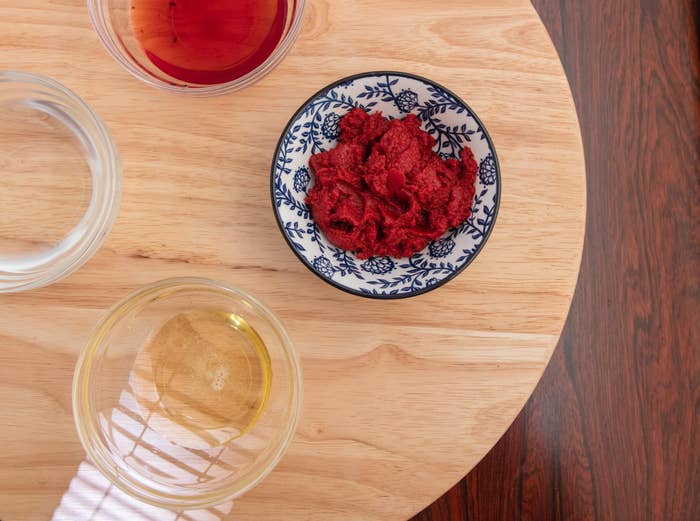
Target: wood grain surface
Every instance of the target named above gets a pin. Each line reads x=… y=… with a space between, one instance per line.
x=401 y=398
x=612 y=430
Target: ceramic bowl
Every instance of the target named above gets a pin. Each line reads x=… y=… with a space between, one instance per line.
x=314 y=128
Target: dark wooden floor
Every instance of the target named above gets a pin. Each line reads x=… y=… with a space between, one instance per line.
x=612 y=432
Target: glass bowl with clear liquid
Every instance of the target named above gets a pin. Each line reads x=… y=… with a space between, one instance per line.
x=60 y=181
x=187 y=393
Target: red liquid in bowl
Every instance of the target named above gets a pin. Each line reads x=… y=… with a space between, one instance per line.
x=208 y=41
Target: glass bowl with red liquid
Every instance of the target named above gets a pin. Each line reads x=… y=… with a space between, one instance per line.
x=197 y=47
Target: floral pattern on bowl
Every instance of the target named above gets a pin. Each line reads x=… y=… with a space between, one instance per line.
x=314 y=128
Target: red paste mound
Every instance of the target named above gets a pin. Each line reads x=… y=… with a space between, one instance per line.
x=384 y=191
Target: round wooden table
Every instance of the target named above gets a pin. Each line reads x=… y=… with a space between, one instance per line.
x=402 y=398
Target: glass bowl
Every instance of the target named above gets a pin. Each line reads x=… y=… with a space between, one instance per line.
x=158 y=410
x=60 y=181
x=112 y=21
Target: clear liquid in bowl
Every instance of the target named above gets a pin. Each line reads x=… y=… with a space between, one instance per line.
x=45 y=183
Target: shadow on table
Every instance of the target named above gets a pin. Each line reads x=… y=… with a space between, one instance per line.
x=91 y=497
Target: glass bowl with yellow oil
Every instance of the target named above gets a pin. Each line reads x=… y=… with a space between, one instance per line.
x=187 y=393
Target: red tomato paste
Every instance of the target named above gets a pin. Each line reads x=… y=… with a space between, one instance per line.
x=384 y=191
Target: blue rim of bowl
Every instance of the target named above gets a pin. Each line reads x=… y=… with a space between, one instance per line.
x=305 y=262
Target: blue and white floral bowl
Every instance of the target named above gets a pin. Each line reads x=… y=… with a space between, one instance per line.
x=314 y=128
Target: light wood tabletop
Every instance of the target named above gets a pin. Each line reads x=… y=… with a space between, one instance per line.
x=401 y=398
